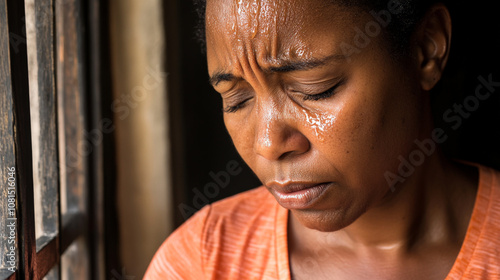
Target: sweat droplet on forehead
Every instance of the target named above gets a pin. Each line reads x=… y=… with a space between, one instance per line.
x=247 y=14
x=270 y=29
x=247 y=38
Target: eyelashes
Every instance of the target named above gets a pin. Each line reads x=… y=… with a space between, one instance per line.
x=328 y=93
x=232 y=109
x=307 y=97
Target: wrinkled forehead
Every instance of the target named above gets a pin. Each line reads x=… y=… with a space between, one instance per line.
x=251 y=17
x=273 y=28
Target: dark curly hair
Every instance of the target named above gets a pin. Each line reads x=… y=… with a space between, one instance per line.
x=398 y=32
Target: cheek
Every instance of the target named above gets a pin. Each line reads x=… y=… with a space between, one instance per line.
x=341 y=135
x=363 y=137
x=242 y=135
x=319 y=125
x=232 y=129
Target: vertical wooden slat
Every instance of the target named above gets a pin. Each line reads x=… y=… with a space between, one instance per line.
x=40 y=48
x=40 y=40
x=98 y=128
x=48 y=168
x=20 y=90
x=74 y=149
x=74 y=144
x=7 y=152
x=111 y=227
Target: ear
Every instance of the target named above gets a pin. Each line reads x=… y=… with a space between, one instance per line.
x=433 y=45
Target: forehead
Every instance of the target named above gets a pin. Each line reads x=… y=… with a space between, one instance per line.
x=272 y=29
x=258 y=16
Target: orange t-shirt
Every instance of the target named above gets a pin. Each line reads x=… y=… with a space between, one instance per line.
x=245 y=237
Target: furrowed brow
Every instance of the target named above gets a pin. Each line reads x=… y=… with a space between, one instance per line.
x=290 y=66
x=221 y=77
x=286 y=66
x=296 y=66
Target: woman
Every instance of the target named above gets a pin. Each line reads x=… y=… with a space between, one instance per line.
x=328 y=103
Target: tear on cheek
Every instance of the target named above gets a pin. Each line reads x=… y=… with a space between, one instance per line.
x=321 y=124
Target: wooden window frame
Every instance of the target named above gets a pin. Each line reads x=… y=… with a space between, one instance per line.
x=90 y=225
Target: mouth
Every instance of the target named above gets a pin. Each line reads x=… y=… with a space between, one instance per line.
x=298 y=195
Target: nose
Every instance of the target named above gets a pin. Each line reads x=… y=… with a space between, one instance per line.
x=277 y=136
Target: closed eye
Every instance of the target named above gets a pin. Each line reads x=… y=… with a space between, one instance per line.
x=328 y=93
x=232 y=109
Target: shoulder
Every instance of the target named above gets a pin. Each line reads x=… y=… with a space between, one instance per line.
x=488 y=203
x=245 y=207
x=217 y=237
x=239 y=223
x=488 y=196
x=180 y=251
x=479 y=257
x=485 y=229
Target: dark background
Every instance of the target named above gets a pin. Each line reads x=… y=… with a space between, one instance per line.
x=201 y=143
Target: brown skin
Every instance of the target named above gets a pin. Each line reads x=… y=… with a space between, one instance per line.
x=359 y=229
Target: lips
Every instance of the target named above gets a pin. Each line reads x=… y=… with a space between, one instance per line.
x=298 y=195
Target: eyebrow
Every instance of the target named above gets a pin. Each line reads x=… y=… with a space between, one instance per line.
x=287 y=66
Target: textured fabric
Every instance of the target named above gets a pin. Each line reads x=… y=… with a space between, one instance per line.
x=245 y=237
x=479 y=257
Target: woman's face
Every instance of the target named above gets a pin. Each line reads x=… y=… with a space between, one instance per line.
x=306 y=103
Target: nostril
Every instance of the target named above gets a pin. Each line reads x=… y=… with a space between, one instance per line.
x=285 y=155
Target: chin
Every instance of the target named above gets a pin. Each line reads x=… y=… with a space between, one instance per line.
x=326 y=220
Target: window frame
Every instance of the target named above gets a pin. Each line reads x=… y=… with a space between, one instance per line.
x=88 y=225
